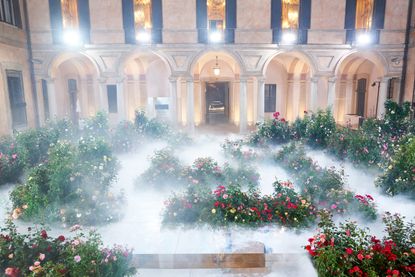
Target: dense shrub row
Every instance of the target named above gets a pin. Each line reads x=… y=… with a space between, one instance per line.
x=347 y=250
x=324 y=187
x=231 y=205
x=35 y=253
x=166 y=170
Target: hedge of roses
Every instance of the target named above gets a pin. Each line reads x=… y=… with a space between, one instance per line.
x=166 y=170
x=399 y=174
x=347 y=250
x=11 y=163
x=324 y=187
x=35 y=253
x=231 y=205
x=72 y=186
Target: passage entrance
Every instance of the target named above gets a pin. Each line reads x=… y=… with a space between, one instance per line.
x=217 y=102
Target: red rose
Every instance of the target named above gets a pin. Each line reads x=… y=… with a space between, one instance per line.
x=360 y=256
x=44 y=234
x=349 y=251
x=61 y=238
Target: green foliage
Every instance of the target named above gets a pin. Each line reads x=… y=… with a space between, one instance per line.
x=97 y=126
x=319 y=127
x=35 y=253
x=324 y=187
x=272 y=131
x=124 y=138
x=237 y=150
x=347 y=250
x=231 y=205
x=11 y=163
x=72 y=186
x=151 y=128
x=399 y=174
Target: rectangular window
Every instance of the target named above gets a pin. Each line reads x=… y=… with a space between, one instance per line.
x=45 y=99
x=112 y=98
x=70 y=18
x=17 y=99
x=364 y=14
x=216 y=14
x=142 y=20
x=270 y=98
x=290 y=14
x=10 y=12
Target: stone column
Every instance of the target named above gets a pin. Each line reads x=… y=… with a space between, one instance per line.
x=331 y=95
x=349 y=96
x=296 y=98
x=173 y=99
x=383 y=94
x=53 y=106
x=122 y=114
x=261 y=99
x=243 y=118
x=313 y=100
x=102 y=97
x=190 y=113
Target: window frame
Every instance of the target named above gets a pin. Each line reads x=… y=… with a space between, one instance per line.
x=22 y=104
x=14 y=19
x=270 y=101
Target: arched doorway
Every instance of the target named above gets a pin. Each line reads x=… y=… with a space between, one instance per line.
x=216 y=77
x=147 y=85
x=360 y=77
x=74 y=93
x=287 y=85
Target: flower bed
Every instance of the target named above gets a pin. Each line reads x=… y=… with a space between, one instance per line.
x=166 y=170
x=72 y=186
x=347 y=250
x=237 y=150
x=324 y=187
x=399 y=174
x=231 y=205
x=11 y=163
x=35 y=253
x=275 y=130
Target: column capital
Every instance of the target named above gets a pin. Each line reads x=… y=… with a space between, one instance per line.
x=332 y=79
x=173 y=79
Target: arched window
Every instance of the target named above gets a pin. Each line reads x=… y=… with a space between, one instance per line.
x=216 y=14
x=70 y=20
x=142 y=15
x=364 y=14
x=290 y=14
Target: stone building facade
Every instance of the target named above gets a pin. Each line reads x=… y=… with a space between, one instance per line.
x=75 y=58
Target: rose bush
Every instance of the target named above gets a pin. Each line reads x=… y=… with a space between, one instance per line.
x=35 y=253
x=72 y=186
x=347 y=250
x=231 y=205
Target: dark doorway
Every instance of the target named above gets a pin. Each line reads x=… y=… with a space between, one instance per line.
x=361 y=96
x=217 y=102
x=73 y=100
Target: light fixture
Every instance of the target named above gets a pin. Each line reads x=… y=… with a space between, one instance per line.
x=216 y=68
x=363 y=38
x=215 y=36
x=289 y=37
x=72 y=38
x=143 y=36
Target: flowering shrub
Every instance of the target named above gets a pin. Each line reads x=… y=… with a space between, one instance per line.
x=124 y=138
x=347 y=250
x=205 y=171
x=150 y=127
x=97 y=126
x=319 y=127
x=227 y=205
x=237 y=150
x=35 y=253
x=243 y=176
x=275 y=130
x=164 y=169
x=71 y=186
x=11 y=164
x=324 y=187
x=399 y=174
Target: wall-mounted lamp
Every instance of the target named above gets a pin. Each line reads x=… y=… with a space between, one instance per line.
x=216 y=68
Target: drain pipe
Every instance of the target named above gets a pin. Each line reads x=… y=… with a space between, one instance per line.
x=406 y=50
x=31 y=67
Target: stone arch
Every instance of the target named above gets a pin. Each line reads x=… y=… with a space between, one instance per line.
x=146 y=83
x=355 y=95
x=225 y=55
x=74 y=77
x=290 y=72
